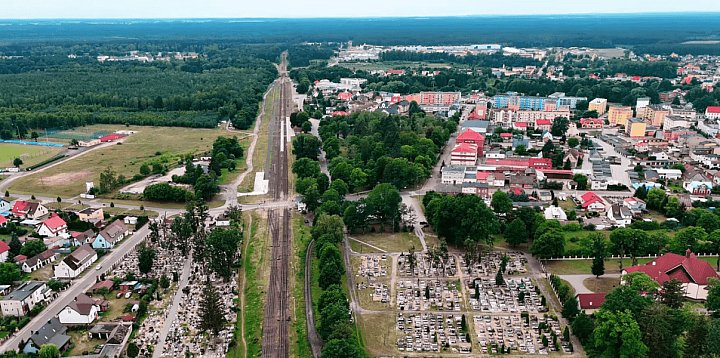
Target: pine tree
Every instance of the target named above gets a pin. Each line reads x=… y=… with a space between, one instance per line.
x=499 y=280
x=15 y=245
x=598 y=266
x=211 y=310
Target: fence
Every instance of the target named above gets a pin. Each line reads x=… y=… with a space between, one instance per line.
x=76 y=134
x=618 y=256
x=23 y=142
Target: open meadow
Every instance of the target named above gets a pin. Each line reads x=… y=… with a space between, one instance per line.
x=30 y=154
x=149 y=145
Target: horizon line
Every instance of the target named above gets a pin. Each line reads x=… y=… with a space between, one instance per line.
x=367 y=17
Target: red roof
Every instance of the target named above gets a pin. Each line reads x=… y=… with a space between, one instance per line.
x=106 y=284
x=506 y=135
x=482 y=175
x=20 y=207
x=54 y=222
x=520 y=124
x=127 y=318
x=345 y=96
x=395 y=72
x=589 y=198
x=590 y=301
x=339 y=113
x=712 y=109
x=471 y=135
x=111 y=137
x=20 y=258
x=685 y=269
x=591 y=121
x=465 y=148
x=516 y=191
x=4 y=247
x=543 y=122
x=2 y=220
x=474 y=116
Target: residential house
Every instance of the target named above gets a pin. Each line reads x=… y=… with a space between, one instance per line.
x=590 y=302
x=4 y=251
x=82 y=238
x=83 y=311
x=669 y=174
x=574 y=156
x=20 y=301
x=712 y=112
x=636 y=128
x=52 y=332
x=635 y=205
x=700 y=188
x=108 y=237
x=28 y=210
x=53 y=226
x=5 y=206
x=620 y=215
x=520 y=181
x=76 y=262
x=38 y=261
x=91 y=215
x=3 y=221
x=598 y=105
x=592 y=202
x=479 y=189
x=694 y=273
x=555 y=213
x=492 y=179
x=619 y=115
x=543 y=124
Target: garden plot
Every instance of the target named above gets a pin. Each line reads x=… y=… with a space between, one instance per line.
x=429 y=295
x=431 y=332
x=517 y=295
x=524 y=334
x=421 y=265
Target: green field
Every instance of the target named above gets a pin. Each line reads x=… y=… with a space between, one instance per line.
x=148 y=145
x=30 y=154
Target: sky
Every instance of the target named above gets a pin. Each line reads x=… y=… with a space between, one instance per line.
x=97 y=9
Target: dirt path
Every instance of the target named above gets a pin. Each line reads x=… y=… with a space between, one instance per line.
x=313 y=337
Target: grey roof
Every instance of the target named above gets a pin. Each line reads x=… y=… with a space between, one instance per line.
x=80 y=256
x=113 y=232
x=24 y=291
x=52 y=332
x=454 y=168
x=475 y=124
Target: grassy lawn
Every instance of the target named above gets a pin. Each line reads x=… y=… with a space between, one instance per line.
x=257 y=274
x=390 y=242
x=29 y=154
x=378 y=333
x=147 y=145
x=82 y=344
x=601 y=284
x=43 y=274
x=116 y=308
x=567 y=204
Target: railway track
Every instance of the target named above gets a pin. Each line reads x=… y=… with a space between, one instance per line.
x=275 y=342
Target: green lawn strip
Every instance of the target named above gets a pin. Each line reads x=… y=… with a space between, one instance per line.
x=301 y=238
x=254 y=307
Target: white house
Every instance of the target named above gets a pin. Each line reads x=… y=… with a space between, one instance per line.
x=110 y=235
x=636 y=206
x=669 y=174
x=75 y=263
x=619 y=215
x=4 y=251
x=20 y=301
x=38 y=261
x=5 y=206
x=555 y=213
x=453 y=174
x=53 y=226
x=84 y=310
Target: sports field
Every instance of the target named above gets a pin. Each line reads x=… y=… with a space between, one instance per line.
x=29 y=154
x=148 y=145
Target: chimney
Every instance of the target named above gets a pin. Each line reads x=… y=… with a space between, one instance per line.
x=688 y=252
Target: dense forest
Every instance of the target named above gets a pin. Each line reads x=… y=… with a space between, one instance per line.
x=47 y=88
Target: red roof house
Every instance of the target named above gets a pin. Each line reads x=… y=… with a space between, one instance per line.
x=4 y=251
x=53 y=226
x=592 y=202
x=590 y=302
x=470 y=136
x=3 y=221
x=691 y=271
x=344 y=96
x=28 y=210
x=464 y=154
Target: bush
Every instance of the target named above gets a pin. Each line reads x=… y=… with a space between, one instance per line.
x=166 y=192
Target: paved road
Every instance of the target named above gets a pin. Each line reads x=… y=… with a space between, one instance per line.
x=577 y=281
x=78 y=286
x=171 y=314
